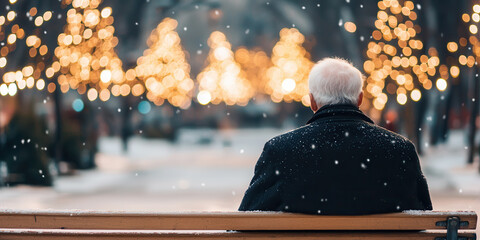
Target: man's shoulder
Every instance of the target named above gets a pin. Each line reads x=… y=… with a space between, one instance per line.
x=292 y=135
x=372 y=131
x=389 y=134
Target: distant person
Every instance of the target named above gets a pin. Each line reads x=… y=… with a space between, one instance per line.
x=340 y=162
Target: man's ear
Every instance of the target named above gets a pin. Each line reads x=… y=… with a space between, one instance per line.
x=360 y=99
x=313 y=103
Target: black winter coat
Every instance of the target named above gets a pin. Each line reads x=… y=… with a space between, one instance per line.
x=339 y=163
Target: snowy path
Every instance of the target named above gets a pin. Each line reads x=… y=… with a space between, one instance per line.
x=158 y=176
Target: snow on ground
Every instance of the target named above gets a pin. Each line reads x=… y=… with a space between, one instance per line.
x=210 y=170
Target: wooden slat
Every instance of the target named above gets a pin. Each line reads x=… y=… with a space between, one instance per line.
x=75 y=234
x=226 y=221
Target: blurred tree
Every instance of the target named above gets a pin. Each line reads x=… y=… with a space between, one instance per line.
x=288 y=77
x=164 y=68
x=223 y=78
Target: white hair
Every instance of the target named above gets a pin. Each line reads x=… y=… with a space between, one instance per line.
x=335 y=81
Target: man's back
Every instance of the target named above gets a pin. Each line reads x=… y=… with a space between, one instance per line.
x=340 y=163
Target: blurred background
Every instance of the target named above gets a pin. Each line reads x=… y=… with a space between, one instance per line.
x=165 y=105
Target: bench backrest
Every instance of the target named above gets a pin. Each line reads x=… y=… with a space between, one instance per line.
x=252 y=225
x=414 y=220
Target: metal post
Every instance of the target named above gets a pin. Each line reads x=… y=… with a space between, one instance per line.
x=453 y=223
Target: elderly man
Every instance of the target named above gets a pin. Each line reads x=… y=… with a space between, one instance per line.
x=340 y=162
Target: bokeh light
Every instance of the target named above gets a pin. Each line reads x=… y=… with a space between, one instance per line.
x=77 y=105
x=396 y=65
x=144 y=107
x=164 y=68
x=223 y=78
x=288 y=77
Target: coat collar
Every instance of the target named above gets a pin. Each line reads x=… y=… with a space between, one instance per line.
x=339 y=110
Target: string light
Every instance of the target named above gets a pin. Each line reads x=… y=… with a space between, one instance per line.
x=394 y=63
x=29 y=75
x=164 y=68
x=470 y=60
x=223 y=78
x=288 y=77
x=86 y=60
x=255 y=63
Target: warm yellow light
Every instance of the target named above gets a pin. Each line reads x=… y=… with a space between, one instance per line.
x=12 y=89
x=204 y=97
x=473 y=29
x=10 y=16
x=106 y=12
x=40 y=84
x=475 y=17
x=288 y=85
x=415 y=95
x=221 y=53
x=47 y=15
x=3 y=89
x=3 y=62
x=350 y=27
x=38 y=21
x=454 y=71
x=21 y=84
x=11 y=38
x=30 y=82
x=13 y=1
x=452 y=46
x=402 y=98
x=441 y=84
x=92 y=94
x=476 y=8
x=400 y=79
x=106 y=76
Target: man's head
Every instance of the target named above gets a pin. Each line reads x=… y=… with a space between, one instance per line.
x=334 y=81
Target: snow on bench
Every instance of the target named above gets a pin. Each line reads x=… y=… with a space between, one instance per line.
x=432 y=225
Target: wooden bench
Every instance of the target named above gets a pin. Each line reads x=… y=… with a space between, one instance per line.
x=240 y=225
